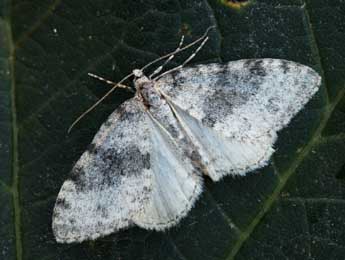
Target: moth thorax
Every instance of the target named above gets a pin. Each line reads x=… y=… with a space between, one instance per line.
x=148 y=92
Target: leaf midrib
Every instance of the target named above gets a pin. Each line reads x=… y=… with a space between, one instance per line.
x=14 y=188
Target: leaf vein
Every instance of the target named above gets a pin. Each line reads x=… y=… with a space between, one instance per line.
x=285 y=177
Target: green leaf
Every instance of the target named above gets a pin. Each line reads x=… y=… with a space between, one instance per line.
x=294 y=208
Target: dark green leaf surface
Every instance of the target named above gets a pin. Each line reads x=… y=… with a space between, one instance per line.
x=292 y=209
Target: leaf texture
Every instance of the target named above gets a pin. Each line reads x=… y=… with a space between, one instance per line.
x=292 y=209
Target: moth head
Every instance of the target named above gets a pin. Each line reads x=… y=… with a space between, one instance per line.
x=138 y=73
x=140 y=80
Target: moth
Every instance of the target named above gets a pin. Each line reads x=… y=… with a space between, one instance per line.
x=145 y=166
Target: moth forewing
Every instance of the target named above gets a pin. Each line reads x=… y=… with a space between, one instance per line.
x=111 y=181
x=233 y=111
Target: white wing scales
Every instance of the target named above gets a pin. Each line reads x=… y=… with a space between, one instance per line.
x=233 y=111
x=176 y=187
x=132 y=173
x=220 y=155
x=110 y=182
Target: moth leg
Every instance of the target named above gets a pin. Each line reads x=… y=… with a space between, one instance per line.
x=159 y=69
x=119 y=85
x=186 y=61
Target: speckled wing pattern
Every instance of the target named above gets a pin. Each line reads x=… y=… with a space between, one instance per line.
x=232 y=111
x=139 y=170
x=125 y=178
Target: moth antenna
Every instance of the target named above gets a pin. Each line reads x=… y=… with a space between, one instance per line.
x=159 y=69
x=186 y=61
x=182 y=49
x=115 y=85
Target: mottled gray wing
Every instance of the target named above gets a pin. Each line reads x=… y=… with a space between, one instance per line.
x=111 y=180
x=233 y=111
x=131 y=174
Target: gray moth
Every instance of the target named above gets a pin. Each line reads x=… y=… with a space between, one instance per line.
x=145 y=165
